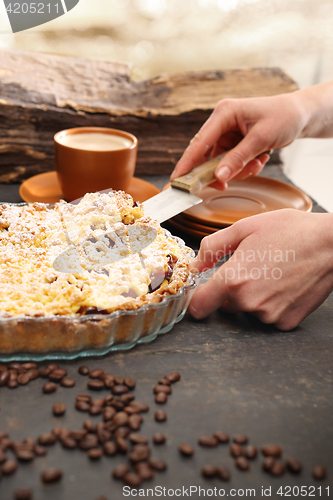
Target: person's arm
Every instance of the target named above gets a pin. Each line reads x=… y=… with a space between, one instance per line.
x=249 y=127
x=281 y=269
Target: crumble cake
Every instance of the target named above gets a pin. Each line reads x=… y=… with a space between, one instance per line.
x=99 y=256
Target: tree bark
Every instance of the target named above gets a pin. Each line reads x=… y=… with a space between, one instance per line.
x=41 y=94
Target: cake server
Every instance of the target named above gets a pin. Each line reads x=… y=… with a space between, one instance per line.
x=183 y=192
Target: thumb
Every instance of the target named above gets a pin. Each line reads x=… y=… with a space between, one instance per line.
x=254 y=143
x=219 y=244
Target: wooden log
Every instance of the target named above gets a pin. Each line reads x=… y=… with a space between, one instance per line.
x=41 y=94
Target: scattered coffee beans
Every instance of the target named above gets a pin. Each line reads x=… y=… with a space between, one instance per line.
x=277 y=469
x=51 y=475
x=160 y=416
x=242 y=463
x=157 y=464
x=223 y=473
x=293 y=465
x=186 y=449
x=83 y=370
x=49 y=387
x=58 y=409
x=236 y=450
x=208 y=441
x=159 y=438
x=23 y=494
x=240 y=439
x=222 y=437
x=208 y=471
x=251 y=451
x=271 y=450
x=120 y=471
x=319 y=472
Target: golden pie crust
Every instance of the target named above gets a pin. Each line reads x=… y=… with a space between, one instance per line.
x=61 y=266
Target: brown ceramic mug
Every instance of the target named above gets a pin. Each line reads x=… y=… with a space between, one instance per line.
x=90 y=159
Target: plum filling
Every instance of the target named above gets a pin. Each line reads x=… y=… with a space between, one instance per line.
x=157 y=279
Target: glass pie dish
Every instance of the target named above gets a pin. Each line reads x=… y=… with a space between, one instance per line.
x=97 y=334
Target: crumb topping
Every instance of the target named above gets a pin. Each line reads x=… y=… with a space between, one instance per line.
x=99 y=255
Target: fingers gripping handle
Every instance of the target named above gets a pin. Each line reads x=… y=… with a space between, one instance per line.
x=199 y=177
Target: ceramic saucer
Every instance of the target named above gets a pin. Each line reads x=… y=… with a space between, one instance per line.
x=45 y=188
x=244 y=198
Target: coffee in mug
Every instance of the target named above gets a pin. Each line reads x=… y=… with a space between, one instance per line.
x=90 y=159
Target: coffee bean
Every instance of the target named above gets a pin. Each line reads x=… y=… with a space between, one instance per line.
x=95 y=453
x=159 y=438
x=222 y=437
x=30 y=365
x=83 y=370
x=88 y=442
x=3 y=368
x=23 y=494
x=108 y=399
x=223 y=473
x=13 y=374
x=95 y=410
x=102 y=433
x=97 y=373
x=251 y=451
x=97 y=402
x=57 y=374
x=61 y=432
x=52 y=366
x=58 y=409
x=186 y=449
x=319 y=472
x=208 y=471
x=143 y=407
x=161 y=398
x=9 y=467
x=24 y=455
x=14 y=365
x=51 y=475
x=240 y=439
x=208 y=441
x=49 y=387
x=139 y=453
x=173 y=377
x=162 y=388
x=132 y=479
x=160 y=416
x=122 y=445
x=293 y=465
x=69 y=443
x=277 y=469
x=119 y=389
x=33 y=373
x=47 y=439
x=117 y=404
x=120 y=419
x=110 y=448
x=164 y=381
x=129 y=382
x=268 y=463
x=122 y=432
x=271 y=450
x=40 y=451
x=130 y=410
x=4 y=378
x=67 y=382
x=95 y=385
x=82 y=406
x=12 y=384
x=120 y=471
x=157 y=464
x=118 y=381
x=78 y=434
x=45 y=372
x=242 y=463
x=83 y=397
x=126 y=398
x=144 y=471
x=138 y=438
x=108 y=413
x=236 y=450
x=23 y=379
x=134 y=422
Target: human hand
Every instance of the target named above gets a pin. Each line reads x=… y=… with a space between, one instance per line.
x=281 y=269
x=247 y=127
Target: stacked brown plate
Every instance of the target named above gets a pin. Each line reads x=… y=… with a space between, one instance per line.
x=243 y=198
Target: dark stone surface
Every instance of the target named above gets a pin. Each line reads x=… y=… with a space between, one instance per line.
x=238 y=376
